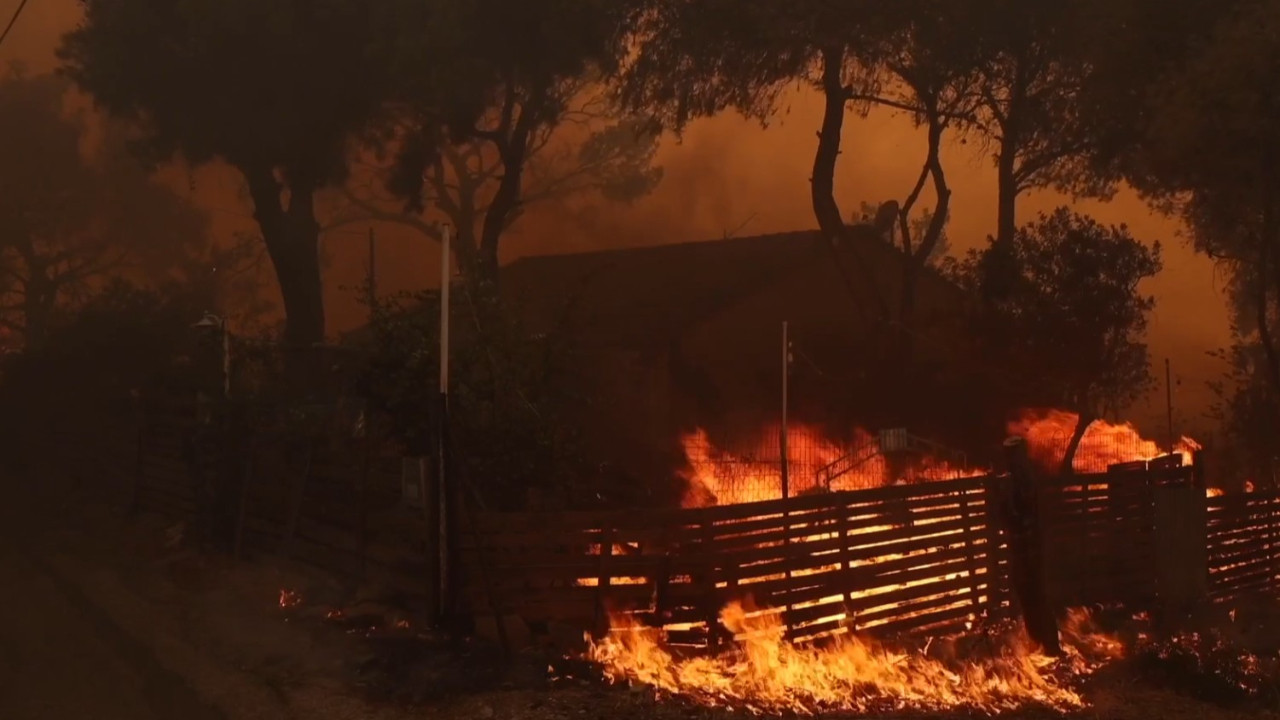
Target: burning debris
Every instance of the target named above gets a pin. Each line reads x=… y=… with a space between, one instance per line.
x=764 y=673
x=289 y=599
x=1207 y=665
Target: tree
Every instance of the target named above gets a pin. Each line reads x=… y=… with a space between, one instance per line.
x=69 y=218
x=918 y=225
x=1028 y=93
x=525 y=64
x=1202 y=145
x=1073 y=318
x=588 y=150
x=275 y=89
x=507 y=401
x=697 y=59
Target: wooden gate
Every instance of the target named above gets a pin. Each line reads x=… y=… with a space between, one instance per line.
x=1133 y=535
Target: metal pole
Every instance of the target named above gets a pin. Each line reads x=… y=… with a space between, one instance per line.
x=782 y=437
x=442 y=541
x=1168 y=400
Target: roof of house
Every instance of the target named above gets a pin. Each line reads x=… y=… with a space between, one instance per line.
x=648 y=296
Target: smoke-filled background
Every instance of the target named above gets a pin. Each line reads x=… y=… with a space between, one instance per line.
x=729 y=175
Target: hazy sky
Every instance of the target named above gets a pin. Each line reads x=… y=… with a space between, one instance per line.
x=729 y=174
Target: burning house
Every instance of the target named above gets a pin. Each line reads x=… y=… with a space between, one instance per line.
x=682 y=346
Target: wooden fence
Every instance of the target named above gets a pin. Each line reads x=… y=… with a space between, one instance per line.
x=333 y=503
x=883 y=561
x=1102 y=540
x=1243 y=538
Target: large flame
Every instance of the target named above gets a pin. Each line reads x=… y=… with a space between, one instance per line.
x=717 y=476
x=1048 y=433
x=765 y=673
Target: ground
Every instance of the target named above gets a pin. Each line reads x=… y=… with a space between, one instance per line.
x=108 y=618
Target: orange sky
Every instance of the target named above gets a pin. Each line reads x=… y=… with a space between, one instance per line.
x=729 y=171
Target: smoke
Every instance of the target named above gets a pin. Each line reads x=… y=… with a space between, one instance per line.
x=727 y=175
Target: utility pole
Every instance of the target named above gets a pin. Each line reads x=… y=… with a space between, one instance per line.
x=782 y=435
x=1168 y=401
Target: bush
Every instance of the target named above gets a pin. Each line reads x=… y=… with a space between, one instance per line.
x=508 y=394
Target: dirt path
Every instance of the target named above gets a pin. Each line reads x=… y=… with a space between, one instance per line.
x=62 y=656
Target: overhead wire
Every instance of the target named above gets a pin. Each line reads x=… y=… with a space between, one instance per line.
x=22 y=4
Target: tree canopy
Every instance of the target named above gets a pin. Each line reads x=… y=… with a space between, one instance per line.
x=1071 y=326
x=70 y=216
x=275 y=89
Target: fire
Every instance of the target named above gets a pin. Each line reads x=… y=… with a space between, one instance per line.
x=765 y=673
x=1048 y=432
x=289 y=598
x=719 y=477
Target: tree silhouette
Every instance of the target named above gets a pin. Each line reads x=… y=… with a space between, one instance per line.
x=69 y=218
x=1070 y=326
x=275 y=89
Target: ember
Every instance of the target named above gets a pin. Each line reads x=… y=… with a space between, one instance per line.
x=289 y=598
x=765 y=673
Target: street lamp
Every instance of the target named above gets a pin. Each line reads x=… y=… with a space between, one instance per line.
x=211 y=320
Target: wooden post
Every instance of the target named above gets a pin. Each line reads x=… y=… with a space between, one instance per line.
x=846 y=567
x=1022 y=523
x=971 y=552
x=711 y=609
x=603 y=579
x=995 y=581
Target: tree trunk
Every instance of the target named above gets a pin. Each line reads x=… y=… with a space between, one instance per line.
x=292 y=236
x=822 y=181
x=1006 y=192
x=822 y=184
x=1083 y=421
x=513 y=149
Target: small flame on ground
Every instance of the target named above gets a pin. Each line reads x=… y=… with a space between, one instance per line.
x=289 y=598
x=765 y=673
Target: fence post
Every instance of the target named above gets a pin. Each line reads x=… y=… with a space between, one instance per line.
x=1026 y=561
x=603 y=578
x=711 y=613
x=995 y=581
x=971 y=553
x=846 y=567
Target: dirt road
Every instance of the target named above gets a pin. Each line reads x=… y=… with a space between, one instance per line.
x=61 y=656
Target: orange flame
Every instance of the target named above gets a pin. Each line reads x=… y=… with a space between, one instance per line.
x=1048 y=432
x=718 y=477
x=765 y=673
